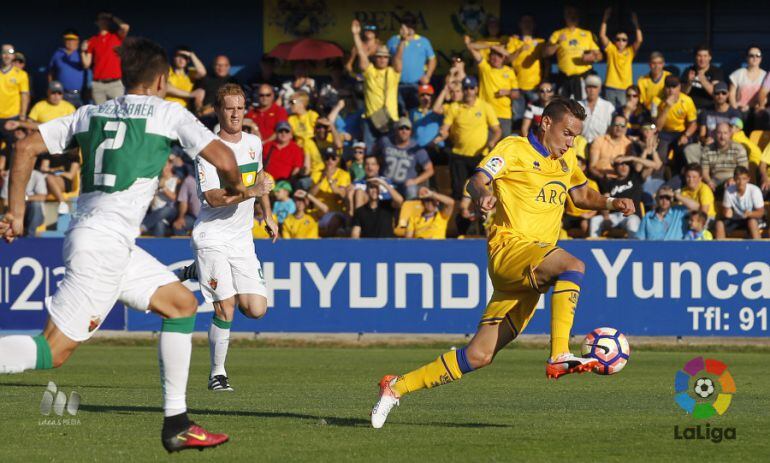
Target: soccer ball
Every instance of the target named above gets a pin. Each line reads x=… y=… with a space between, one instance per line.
x=610 y=347
x=704 y=387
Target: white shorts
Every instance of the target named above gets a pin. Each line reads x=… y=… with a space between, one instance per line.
x=224 y=271
x=100 y=270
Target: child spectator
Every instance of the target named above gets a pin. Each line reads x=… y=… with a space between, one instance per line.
x=697 y=227
x=283 y=205
x=356 y=165
x=742 y=207
x=432 y=223
x=698 y=191
x=299 y=224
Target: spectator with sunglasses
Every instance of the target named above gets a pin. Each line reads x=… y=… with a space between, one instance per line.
x=180 y=81
x=330 y=186
x=620 y=57
x=651 y=85
x=607 y=147
x=52 y=107
x=406 y=164
x=667 y=222
x=699 y=79
x=635 y=112
x=282 y=157
x=14 y=91
x=66 y=67
x=371 y=43
x=745 y=83
x=534 y=111
x=708 y=119
x=266 y=113
x=675 y=116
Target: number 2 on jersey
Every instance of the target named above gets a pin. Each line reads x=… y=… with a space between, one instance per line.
x=114 y=143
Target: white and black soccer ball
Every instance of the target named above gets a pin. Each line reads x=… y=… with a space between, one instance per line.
x=610 y=347
x=704 y=387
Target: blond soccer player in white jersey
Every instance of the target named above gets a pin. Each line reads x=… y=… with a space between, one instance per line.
x=225 y=262
x=125 y=143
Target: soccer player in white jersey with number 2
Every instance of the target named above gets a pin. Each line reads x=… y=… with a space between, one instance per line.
x=125 y=143
x=227 y=267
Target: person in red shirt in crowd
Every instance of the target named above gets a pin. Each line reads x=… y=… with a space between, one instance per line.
x=283 y=158
x=266 y=113
x=99 y=54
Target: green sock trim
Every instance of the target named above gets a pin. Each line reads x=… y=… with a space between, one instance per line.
x=44 y=357
x=221 y=323
x=184 y=325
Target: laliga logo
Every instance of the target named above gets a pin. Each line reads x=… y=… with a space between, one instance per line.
x=696 y=391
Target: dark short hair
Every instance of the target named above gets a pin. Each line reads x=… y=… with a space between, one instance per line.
x=141 y=61
x=694 y=167
x=702 y=47
x=701 y=215
x=559 y=107
x=740 y=170
x=372 y=156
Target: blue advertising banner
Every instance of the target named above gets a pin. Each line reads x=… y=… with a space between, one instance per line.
x=401 y=286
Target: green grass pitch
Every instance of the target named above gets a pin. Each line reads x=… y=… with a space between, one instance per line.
x=312 y=404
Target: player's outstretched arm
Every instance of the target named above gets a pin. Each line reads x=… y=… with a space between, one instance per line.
x=587 y=198
x=24 y=156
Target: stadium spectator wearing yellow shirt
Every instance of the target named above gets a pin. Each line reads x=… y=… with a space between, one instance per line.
x=498 y=84
x=576 y=51
x=763 y=171
x=697 y=190
x=180 y=82
x=651 y=85
x=380 y=83
x=14 y=91
x=52 y=107
x=473 y=128
x=258 y=229
x=525 y=53
x=330 y=186
x=432 y=223
x=301 y=225
x=675 y=117
x=752 y=149
x=620 y=57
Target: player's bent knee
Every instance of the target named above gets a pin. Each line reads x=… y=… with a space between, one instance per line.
x=253 y=307
x=574 y=264
x=478 y=358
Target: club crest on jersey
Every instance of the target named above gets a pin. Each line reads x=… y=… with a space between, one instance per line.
x=564 y=167
x=94 y=324
x=213 y=282
x=252 y=153
x=494 y=165
x=536 y=165
x=201 y=174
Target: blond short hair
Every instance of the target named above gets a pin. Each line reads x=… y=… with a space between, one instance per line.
x=228 y=90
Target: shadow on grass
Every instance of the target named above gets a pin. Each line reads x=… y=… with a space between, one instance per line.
x=328 y=420
x=60 y=386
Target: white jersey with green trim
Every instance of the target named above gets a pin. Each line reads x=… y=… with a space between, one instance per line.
x=227 y=225
x=124 y=143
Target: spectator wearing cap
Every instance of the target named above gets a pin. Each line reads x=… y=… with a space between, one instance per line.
x=180 y=81
x=698 y=80
x=742 y=207
x=283 y=205
x=266 y=113
x=52 y=107
x=627 y=182
x=66 y=66
x=432 y=222
x=498 y=84
x=576 y=51
x=606 y=148
x=534 y=111
x=708 y=119
x=188 y=205
x=722 y=157
x=695 y=189
x=598 y=110
x=635 y=112
x=472 y=127
x=357 y=194
x=406 y=164
x=356 y=164
x=525 y=53
x=14 y=91
x=282 y=157
x=746 y=83
x=620 y=57
x=675 y=116
x=380 y=85
x=100 y=56
x=300 y=224
x=651 y=85
x=667 y=222
x=425 y=122
x=330 y=186
x=419 y=61
x=371 y=43
x=20 y=61
x=375 y=219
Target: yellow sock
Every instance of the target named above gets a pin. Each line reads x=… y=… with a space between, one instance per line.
x=445 y=369
x=563 y=303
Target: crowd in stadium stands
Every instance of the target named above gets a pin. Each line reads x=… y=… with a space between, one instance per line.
x=377 y=144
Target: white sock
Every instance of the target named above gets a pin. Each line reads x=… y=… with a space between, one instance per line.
x=17 y=354
x=219 y=341
x=174 y=352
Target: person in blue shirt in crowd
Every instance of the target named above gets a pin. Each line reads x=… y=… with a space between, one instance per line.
x=404 y=162
x=667 y=222
x=66 y=66
x=419 y=62
x=425 y=123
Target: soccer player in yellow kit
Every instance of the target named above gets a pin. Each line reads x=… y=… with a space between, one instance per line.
x=531 y=177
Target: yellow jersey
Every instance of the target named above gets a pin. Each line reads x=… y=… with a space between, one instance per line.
x=579 y=146
x=531 y=189
x=569 y=55
x=12 y=84
x=43 y=111
x=682 y=112
x=493 y=79
x=303 y=228
x=469 y=126
x=258 y=228
x=431 y=227
x=703 y=195
x=752 y=149
x=527 y=63
x=303 y=125
x=376 y=83
x=181 y=81
x=325 y=193
x=650 y=89
x=574 y=211
x=766 y=158
x=620 y=75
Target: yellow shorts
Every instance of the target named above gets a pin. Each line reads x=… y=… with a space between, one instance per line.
x=512 y=263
